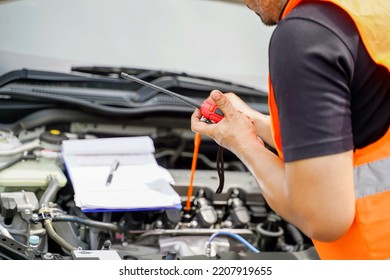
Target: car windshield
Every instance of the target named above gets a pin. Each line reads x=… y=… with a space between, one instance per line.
x=216 y=39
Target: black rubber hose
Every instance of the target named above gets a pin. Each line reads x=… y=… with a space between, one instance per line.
x=178 y=152
x=220 y=169
x=87 y=222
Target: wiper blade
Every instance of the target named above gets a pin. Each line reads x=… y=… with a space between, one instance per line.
x=148 y=74
x=133 y=109
x=125 y=97
x=115 y=71
x=182 y=83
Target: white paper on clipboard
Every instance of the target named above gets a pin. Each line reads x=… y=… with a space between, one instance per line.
x=139 y=183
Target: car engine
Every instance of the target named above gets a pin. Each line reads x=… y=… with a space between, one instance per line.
x=39 y=218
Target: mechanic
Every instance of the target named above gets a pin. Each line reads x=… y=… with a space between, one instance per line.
x=329 y=100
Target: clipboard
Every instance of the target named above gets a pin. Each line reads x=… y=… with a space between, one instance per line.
x=138 y=184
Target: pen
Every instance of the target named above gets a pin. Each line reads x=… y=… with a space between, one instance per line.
x=114 y=167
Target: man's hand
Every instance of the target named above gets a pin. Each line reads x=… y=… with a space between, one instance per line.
x=302 y=192
x=262 y=122
x=233 y=132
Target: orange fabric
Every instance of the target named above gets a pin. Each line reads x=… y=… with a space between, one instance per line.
x=369 y=17
x=274 y=119
x=376 y=151
x=369 y=234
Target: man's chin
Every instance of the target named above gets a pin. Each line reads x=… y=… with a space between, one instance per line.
x=267 y=22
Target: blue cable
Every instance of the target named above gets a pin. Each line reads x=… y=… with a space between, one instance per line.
x=235 y=236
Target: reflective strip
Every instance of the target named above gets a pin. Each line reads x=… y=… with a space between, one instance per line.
x=372 y=178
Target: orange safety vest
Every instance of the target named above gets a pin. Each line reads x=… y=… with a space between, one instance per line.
x=369 y=235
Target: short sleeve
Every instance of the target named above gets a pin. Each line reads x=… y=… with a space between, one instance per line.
x=311 y=69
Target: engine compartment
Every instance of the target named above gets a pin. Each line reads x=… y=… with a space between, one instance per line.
x=39 y=218
x=37 y=203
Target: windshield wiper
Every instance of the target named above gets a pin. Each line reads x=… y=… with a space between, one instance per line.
x=145 y=74
x=109 y=94
x=169 y=79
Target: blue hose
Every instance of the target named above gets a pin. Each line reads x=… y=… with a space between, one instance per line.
x=235 y=236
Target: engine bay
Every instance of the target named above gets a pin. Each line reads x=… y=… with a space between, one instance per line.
x=39 y=218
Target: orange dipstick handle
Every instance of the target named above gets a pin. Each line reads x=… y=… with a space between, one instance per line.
x=193 y=168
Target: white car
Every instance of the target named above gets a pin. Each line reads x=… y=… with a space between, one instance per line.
x=61 y=80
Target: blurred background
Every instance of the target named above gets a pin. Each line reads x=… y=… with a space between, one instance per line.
x=217 y=39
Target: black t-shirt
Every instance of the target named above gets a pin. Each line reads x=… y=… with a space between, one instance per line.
x=331 y=96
